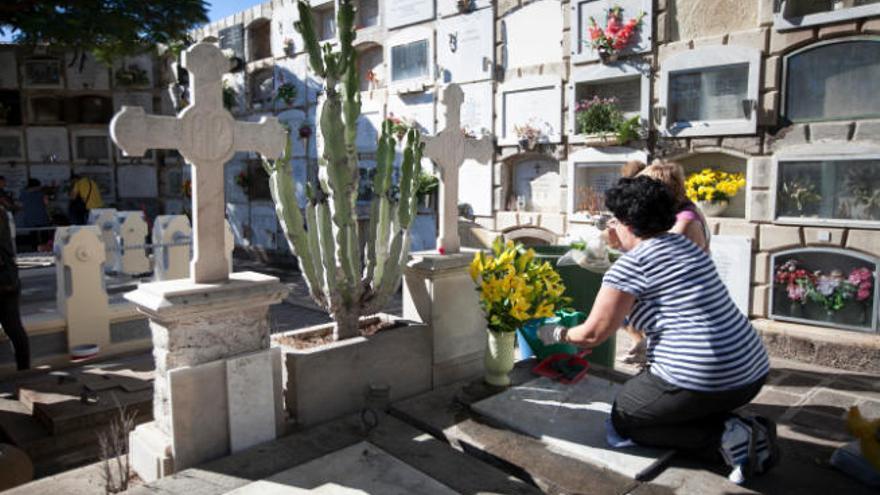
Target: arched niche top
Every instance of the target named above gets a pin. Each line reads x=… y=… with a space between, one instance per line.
x=528 y=155
x=530 y=235
x=791 y=14
x=813 y=89
x=685 y=109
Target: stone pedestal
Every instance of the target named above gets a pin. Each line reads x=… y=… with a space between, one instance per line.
x=438 y=291
x=218 y=385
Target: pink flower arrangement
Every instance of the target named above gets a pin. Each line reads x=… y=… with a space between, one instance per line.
x=798 y=281
x=863 y=280
x=616 y=34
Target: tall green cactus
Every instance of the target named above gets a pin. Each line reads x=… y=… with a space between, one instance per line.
x=346 y=282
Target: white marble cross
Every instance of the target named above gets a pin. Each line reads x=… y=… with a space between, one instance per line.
x=207 y=136
x=449 y=149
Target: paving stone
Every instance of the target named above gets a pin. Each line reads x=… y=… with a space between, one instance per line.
x=832 y=402
x=797 y=383
x=821 y=425
x=570 y=418
x=867 y=387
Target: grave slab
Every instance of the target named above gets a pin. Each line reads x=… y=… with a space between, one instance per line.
x=569 y=418
x=360 y=468
x=194 y=390
x=251 y=406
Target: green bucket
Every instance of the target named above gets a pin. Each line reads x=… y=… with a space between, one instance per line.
x=581 y=286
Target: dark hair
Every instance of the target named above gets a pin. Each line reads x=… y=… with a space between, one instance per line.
x=643 y=204
x=33 y=182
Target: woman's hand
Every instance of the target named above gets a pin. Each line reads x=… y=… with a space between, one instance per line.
x=609 y=310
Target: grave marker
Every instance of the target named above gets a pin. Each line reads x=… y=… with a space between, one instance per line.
x=105 y=220
x=733 y=260
x=207 y=136
x=172 y=255
x=81 y=298
x=449 y=149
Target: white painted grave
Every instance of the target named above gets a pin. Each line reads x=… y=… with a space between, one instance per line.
x=107 y=223
x=283 y=17
x=733 y=260
x=264 y=226
x=172 y=236
x=94 y=75
x=48 y=144
x=405 y=12
x=569 y=419
x=521 y=47
x=81 y=298
x=415 y=107
x=581 y=10
x=207 y=136
x=535 y=101
x=448 y=149
x=132 y=238
x=290 y=71
x=137 y=181
x=628 y=81
x=538 y=183
x=466 y=47
x=202 y=325
x=370 y=124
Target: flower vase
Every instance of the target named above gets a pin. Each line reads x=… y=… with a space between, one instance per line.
x=608 y=56
x=499 y=358
x=795 y=309
x=829 y=316
x=712 y=208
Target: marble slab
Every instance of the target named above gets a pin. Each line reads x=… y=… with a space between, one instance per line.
x=466 y=47
x=251 y=399
x=569 y=419
x=361 y=468
x=521 y=47
x=199 y=418
x=733 y=259
x=405 y=12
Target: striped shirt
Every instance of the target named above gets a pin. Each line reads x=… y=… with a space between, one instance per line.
x=697 y=338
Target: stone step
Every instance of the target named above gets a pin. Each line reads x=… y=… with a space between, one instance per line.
x=834 y=348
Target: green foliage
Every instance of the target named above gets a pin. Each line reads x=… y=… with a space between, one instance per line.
x=230 y=97
x=602 y=116
x=286 y=93
x=629 y=129
x=428 y=183
x=110 y=30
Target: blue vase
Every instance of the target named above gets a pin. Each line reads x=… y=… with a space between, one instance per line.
x=531 y=327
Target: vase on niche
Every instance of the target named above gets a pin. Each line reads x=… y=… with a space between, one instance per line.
x=795 y=309
x=712 y=208
x=608 y=56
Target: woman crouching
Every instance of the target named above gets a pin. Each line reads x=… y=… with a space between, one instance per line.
x=704 y=359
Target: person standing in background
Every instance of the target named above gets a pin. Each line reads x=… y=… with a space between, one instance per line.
x=10 y=291
x=84 y=197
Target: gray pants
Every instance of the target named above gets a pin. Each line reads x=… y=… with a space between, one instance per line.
x=653 y=412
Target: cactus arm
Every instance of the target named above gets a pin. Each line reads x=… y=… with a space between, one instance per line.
x=325 y=235
x=384 y=158
x=314 y=242
x=404 y=209
x=418 y=148
x=306 y=27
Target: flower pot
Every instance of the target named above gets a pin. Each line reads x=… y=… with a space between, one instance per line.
x=712 y=208
x=499 y=358
x=608 y=57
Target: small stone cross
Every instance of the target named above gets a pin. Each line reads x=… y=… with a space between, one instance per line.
x=207 y=136
x=449 y=149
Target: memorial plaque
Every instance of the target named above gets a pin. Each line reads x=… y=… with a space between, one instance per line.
x=582 y=10
x=410 y=60
x=51 y=175
x=446 y=8
x=232 y=38
x=466 y=48
x=521 y=46
x=715 y=93
x=415 y=107
x=476 y=187
x=405 y=12
x=42 y=73
x=137 y=181
x=16 y=178
x=627 y=92
x=90 y=147
x=733 y=260
x=92 y=75
x=537 y=184
x=476 y=110
x=47 y=144
x=538 y=106
x=8 y=70
x=264 y=226
x=11 y=146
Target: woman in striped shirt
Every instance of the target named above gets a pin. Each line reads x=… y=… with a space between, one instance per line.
x=704 y=359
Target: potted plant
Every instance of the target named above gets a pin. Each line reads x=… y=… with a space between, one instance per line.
x=230 y=97
x=514 y=289
x=427 y=187
x=863 y=185
x=711 y=189
x=615 y=36
x=528 y=136
x=603 y=124
x=800 y=195
x=132 y=75
x=327 y=368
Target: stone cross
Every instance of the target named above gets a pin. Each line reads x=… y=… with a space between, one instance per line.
x=207 y=136
x=449 y=149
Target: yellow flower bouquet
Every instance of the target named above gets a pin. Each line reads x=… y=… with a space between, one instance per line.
x=713 y=185
x=514 y=287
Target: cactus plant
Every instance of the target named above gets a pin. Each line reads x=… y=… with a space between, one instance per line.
x=343 y=280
